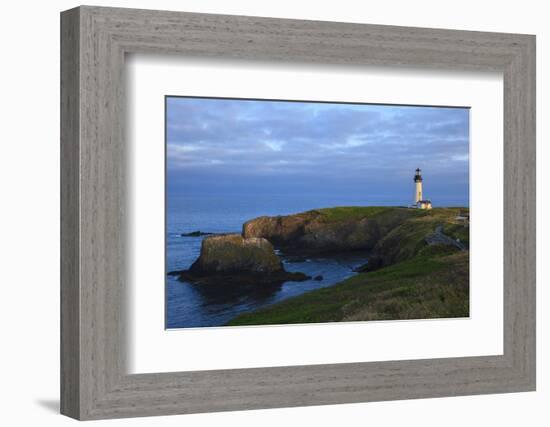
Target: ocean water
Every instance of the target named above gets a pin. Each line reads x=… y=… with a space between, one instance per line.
x=189 y=305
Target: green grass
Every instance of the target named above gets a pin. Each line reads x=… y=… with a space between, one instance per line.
x=345 y=213
x=458 y=231
x=405 y=238
x=433 y=284
x=381 y=214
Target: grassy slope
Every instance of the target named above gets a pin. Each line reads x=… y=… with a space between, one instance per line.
x=385 y=216
x=422 y=281
x=352 y=212
x=407 y=239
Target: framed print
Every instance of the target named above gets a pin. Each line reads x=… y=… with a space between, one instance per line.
x=282 y=193
x=296 y=204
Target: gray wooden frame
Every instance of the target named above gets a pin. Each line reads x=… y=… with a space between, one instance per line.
x=94 y=382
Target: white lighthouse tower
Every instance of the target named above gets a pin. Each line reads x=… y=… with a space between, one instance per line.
x=419 y=201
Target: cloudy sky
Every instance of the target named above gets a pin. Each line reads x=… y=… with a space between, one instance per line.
x=243 y=146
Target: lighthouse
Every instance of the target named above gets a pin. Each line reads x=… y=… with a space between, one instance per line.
x=418 y=186
x=419 y=201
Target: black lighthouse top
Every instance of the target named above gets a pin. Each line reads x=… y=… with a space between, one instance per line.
x=418 y=177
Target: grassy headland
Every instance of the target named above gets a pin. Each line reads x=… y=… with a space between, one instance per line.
x=406 y=278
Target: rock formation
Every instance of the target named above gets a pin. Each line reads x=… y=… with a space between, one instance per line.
x=236 y=260
x=196 y=233
x=320 y=231
x=231 y=253
x=391 y=234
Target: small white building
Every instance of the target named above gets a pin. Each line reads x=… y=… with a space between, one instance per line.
x=419 y=201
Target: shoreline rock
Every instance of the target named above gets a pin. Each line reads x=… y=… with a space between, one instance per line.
x=196 y=233
x=232 y=259
x=231 y=253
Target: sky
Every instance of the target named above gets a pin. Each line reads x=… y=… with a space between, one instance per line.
x=237 y=147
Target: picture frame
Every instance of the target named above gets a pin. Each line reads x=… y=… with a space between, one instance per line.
x=94 y=380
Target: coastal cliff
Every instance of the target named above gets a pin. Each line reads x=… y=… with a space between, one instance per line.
x=418 y=265
x=391 y=234
x=436 y=227
x=330 y=230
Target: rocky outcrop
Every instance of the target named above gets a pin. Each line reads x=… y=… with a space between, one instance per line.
x=231 y=253
x=233 y=259
x=317 y=231
x=196 y=233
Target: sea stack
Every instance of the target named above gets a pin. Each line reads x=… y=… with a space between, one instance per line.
x=231 y=253
x=231 y=259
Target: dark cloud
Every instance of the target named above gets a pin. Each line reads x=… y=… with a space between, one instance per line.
x=218 y=144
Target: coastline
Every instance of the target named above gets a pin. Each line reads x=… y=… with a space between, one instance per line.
x=416 y=268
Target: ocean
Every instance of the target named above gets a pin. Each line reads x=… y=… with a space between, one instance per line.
x=191 y=306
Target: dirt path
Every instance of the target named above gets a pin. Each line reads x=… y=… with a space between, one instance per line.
x=439 y=238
